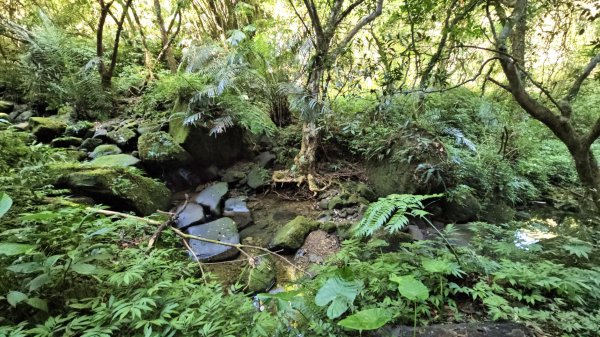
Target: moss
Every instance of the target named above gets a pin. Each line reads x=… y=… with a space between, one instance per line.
x=160 y=147
x=14 y=149
x=122 y=136
x=105 y=150
x=123 y=188
x=292 y=234
x=45 y=129
x=113 y=160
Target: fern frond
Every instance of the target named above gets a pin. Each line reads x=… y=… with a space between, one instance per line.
x=220 y=125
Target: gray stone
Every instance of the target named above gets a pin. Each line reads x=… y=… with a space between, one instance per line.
x=415 y=232
x=160 y=148
x=22 y=116
x=105 y=150
x=477 y=329
x=212 y=196
x=79 y=129
x=115 y=160
x=324 y=204
x=101 y=133
x=6 y=106
x=257 y=178
x=265 y=159
x=236 y=209
x=261 y=277
x=291 y=235
x=90 y=144
x=66 y=142
x=4 y=116
x=190 y=215
x=233 y=176
x=123 y=136
x=223 y=230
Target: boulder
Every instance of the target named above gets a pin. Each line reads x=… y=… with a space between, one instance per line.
x=80 y=129
x=160 y=148
x=462 y=210
x=91 y=143
x=6 y=106
x=21 y=116
x=66 y=142
x=236 y=209
x=232 y=176
x=105 y=150
x=4 y=116
x=291 y=236
x=45 y=129
x=148 y=126
x=258 y=178
x=260 y=277
x=223 y=230
x=101 y=133
x=265 y=159
x=189 y=215
x=119 y=187
x=122 y=137
x=221 y=150
x=498 y=213
x=212 y=197
x=115 y=160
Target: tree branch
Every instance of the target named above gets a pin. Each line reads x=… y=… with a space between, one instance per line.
x=584 y=75
x=594 y=133
x=347 y=11
x=363 y=22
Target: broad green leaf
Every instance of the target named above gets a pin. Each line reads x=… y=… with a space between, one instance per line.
x=411 y=288
x=25 y=268
x=5 y=203
x=337 y=307
x=38 y=303
x=578 y=250
x=52 y=260
x=340 y=293
x=84 y=268
x=10 y=248
x=436 y=266
x=15 y=297
x=40 y=281
x=369 y=319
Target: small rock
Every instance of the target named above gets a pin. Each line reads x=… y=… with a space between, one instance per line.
x=23 y=116
x=351 y=211
x=4 y=116
x=236 y=209
x=343 y=214
x=46 y=129
x=212 y=197
x=66 y=142
x=364 y=191
x=122 y=137
x=90 y=144
x=223 y=230
x=160 y=148
x=324 y=204
x=6 y=106
x=23 y=126
x=415 y=232
x=105 y=150
x=190 y=215
x=79 y=129
x=115 y=160
x=232 y=176
x=101 y=133
x=261 y=277
x=336 y=203
x=291 y=235
x=258 y=177
x=265 y=159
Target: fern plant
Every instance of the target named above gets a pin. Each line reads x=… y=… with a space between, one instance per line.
x=392 y=213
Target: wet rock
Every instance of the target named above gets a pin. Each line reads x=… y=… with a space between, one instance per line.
x=147 y=127
x=461 y=211
x=115 y=160
x=260 y=277
x=478 y=329
x=190 y=215
x=101 y=133
x=181 y=178
x=223 y=230
x=21 y=116
x=90 y=144
x=120 y=187
x=80 y=129
x=233 y=176
x=46 y=129
x=236 y=209
x=498 y=213
x=415 y=232
x=160 y=148
x=324 y=204
x=4 y=124
x=6 y=106
x=4 y=116
x=105 y=150
x=258 y=178
x=265 y=159
x=122 y=137
x=212 y=196
x=23 y=126
x=291 y=236
x=66 y=142
x=366 y=192
x=317 y=247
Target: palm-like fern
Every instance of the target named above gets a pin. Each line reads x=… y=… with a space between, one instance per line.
x=392 y=213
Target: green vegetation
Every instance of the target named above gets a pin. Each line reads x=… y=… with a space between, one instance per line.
x=394 y=163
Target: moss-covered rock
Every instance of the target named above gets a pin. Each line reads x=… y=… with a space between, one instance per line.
x=6 y=106
x=291 y=235
x=160 y=148
x=105 y=150
x=91 y=143
x=115 y=160
x=498 y=213
x=14 y=149
x=45 y=129
x=80 y=129
x=122 y=188
x=66 y=142
x=462 y=210
x=4 y=116
x=261 y=276
x=258 y=177
x=123 y=136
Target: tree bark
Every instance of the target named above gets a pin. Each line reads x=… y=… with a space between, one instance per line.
x=164 y=36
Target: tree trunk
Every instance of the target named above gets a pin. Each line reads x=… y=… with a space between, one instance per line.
x=164 y=36
x=588 y=172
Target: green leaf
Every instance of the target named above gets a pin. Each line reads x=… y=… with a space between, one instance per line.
x=369 y=319
x=5 y=203
x=10 y=248
x=38 y=303
x=436 y=266
x=340 y=293
x=39 y=281
x=25 y=268
x=84 y=268
x=15 y=297
x=578 y=250
x=411 y=288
